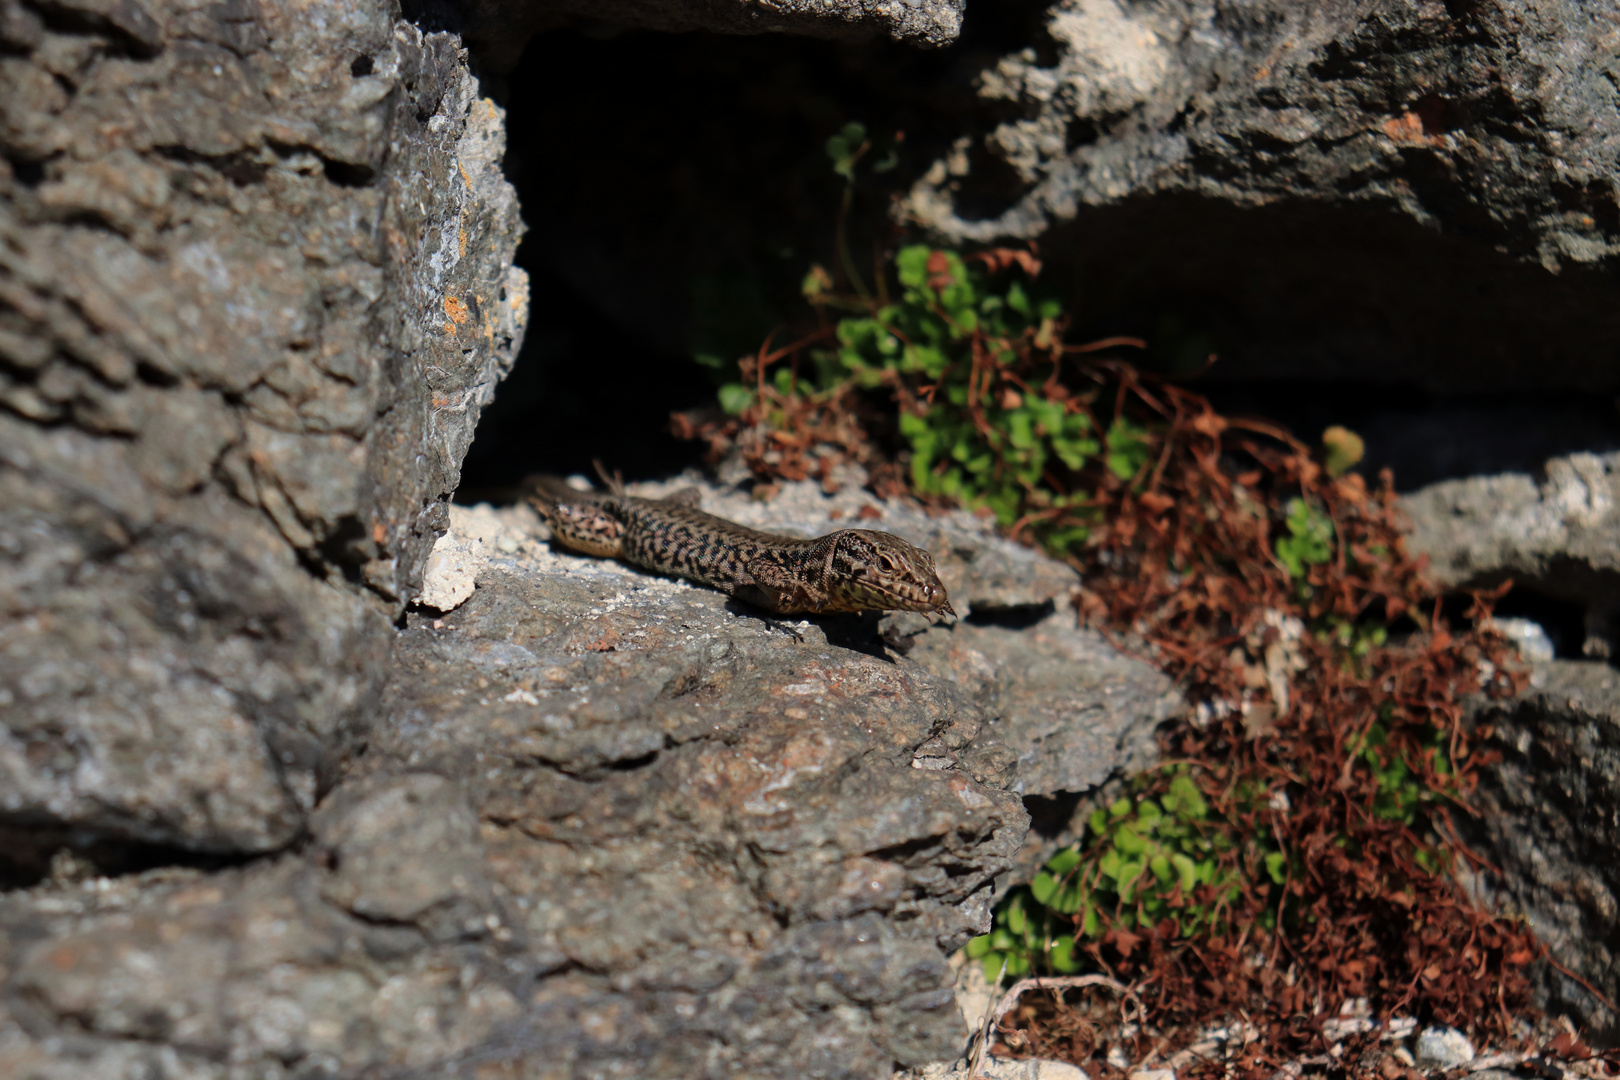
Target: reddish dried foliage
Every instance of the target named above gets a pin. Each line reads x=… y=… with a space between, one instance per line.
x=797 y=436
x=1184 y=561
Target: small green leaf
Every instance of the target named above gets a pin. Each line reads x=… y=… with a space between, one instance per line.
x=1044 y=887
x=1071 y=898
x=1190 y=803
x=1127 y=448
x=1186 y=871
x=1020 y=429
x=735 y=398
x=911 y=265
x=1062 y=956
x=1309 y=540
x=1064 y=861
x=1343 y=450
x=844 y=147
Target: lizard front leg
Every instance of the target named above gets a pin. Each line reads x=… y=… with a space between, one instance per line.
x=774 y=587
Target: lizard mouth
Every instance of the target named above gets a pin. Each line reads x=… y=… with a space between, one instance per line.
x=930 y=599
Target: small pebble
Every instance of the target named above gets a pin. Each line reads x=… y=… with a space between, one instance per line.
x=1443 y=1048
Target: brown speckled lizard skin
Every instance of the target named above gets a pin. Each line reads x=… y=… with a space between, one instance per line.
x=848 y=570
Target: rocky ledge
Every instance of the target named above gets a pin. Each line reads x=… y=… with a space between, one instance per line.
x=612 y=824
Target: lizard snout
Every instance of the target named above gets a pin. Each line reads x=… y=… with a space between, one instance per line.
x=934 y=597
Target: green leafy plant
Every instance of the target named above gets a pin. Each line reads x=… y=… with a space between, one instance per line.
x=975 y=365
x=1143 y=861
x=1402 y=793
x=1309 y=541
x=970 y=360
x=975 y=360
x=849 y=145
x=1026 y=936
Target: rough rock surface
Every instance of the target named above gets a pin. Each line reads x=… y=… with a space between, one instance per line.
x=610 y=824
x=1549 y=806
x=1402 y=154
x=1548 y=821
x=499 y=29
x=255 y=285
x=1556 y=534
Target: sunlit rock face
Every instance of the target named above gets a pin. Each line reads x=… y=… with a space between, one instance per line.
x=257 y=286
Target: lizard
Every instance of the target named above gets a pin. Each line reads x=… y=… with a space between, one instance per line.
x=845 y=571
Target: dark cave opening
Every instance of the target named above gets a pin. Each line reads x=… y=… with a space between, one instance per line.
x=1564 y=621
x=676 y=190
x=1424 y=437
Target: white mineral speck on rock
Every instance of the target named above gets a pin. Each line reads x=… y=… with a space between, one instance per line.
x=996 y=1069
x=1527 y=636
x=1443 y=1048
x=452 y=567
x=1059 y=1070
x=476 y=533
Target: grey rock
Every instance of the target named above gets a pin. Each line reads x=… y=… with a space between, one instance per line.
x=1557 y=535
x=1073 y=712
x=1547 y=822
x=1530 y=638
x=1548 y=806
x=405 y=851
x=499 y=29
x=174 y=972
x=1466 y=139
x=255 y=286
x=608 y=823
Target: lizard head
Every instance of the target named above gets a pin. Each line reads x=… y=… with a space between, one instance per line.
x=878 y=571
